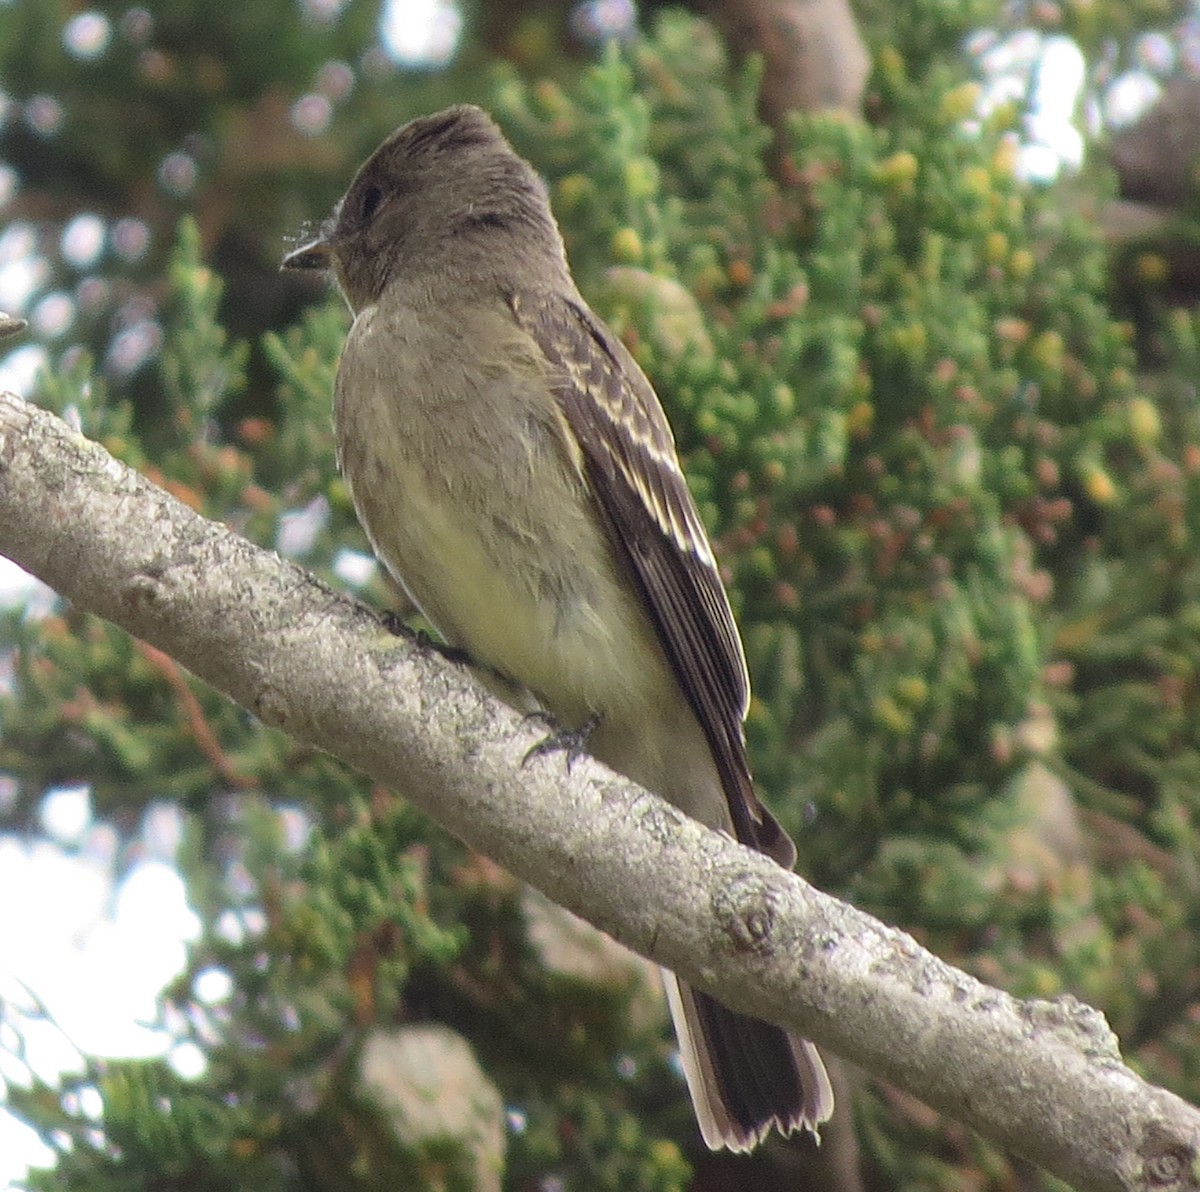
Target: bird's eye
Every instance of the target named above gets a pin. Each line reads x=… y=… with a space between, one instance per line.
x=372 y=198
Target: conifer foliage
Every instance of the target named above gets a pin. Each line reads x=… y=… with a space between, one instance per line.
x=956 y=522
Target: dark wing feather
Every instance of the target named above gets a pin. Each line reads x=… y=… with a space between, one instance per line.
x=631 y=465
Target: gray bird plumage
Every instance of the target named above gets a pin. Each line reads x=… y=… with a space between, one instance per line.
x=515 y=472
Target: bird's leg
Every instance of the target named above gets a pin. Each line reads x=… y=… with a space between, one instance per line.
x=571 y=741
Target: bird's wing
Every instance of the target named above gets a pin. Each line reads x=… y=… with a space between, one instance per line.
x=632 y=468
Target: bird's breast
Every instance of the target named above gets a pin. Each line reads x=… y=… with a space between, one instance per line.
x=469 y=496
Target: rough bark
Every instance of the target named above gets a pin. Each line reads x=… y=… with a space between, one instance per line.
x=813 y=55
x=1043 y=1079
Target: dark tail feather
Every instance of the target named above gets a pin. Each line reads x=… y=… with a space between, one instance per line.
x=745 y=1076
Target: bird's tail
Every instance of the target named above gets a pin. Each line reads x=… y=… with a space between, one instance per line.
x=745 y=1076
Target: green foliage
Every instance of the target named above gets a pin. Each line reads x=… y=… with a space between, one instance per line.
x=958 y=528
x=199 y=373
x=161 y=1131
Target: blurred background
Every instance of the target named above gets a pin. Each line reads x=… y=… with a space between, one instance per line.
x=917 y=285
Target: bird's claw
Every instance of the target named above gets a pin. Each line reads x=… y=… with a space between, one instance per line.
x=571 y=741
x=398 y=627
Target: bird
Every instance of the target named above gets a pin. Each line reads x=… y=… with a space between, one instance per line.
x=516 y=474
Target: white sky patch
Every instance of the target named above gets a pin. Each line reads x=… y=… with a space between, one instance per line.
x=212 y=986
x=86 y=35
x=82 y=240
x=1129 y=97
x=354 y=567
x=66 y=814
x=53 y=315
x=20 y=1149
x=299 y=528
x=17 y=586
x=1046 y=75
x=420 y=32
x=96 y=953
x=21 y=270
x=1062 y=72
x=19 y=369
x=162 y=831
x=188 y=1060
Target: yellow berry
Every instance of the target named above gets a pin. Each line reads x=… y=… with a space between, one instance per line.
x=1152 y=268
x=1020 y=264
x=899 y=170
x=572 y=189
x=1098 y=485
x=627 y=245
x=641 y=178
x=1145 y=425
x=860 y=418
x=959 y=103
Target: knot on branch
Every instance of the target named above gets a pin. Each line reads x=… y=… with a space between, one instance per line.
x=745 y=909
x=1168 y=1161
x=144 y=591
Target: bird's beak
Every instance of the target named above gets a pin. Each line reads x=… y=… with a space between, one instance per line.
x=315 y=254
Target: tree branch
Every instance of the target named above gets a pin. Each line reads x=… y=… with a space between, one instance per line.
x=813 y=54
x=1043 y=1079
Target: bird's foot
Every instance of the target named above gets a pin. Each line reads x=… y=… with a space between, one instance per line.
x=398 y=627
x=571 y=741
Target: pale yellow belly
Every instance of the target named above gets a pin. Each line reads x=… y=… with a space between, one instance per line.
x=485 y=519
x=513 y=569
